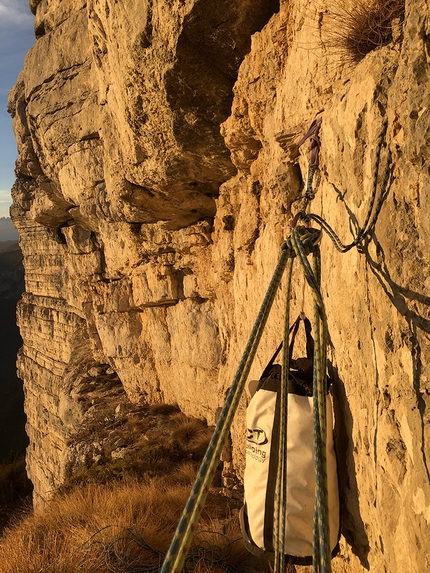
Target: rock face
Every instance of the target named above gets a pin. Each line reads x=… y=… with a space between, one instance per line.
x=158 y=162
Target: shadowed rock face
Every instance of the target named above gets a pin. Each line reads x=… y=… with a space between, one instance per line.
x=158 y=160
x=12 y=420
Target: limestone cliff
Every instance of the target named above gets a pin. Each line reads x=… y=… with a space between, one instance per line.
x=158 y=161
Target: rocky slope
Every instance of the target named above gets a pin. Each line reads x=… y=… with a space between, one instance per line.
x=158 y=161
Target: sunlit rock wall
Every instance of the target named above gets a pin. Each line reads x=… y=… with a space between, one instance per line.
x=158 y=162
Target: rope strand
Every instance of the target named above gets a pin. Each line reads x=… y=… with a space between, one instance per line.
x=281 y=476
x=183 y=537
x=321 y=557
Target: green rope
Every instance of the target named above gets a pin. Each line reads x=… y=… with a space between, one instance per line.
x=301 y=243
x=281 y=481
x=183 y=537
x=321 y=557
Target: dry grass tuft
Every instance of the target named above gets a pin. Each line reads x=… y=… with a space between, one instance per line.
x=163 y=409
x=100 y=528
x=357 y=27
x=191 y=435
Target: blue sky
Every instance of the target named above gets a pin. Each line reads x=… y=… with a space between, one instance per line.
x=16 y=38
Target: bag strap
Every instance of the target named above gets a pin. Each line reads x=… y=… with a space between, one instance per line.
x=293 y=329
x=309 y=338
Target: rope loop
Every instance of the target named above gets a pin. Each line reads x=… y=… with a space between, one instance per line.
x=376 y=199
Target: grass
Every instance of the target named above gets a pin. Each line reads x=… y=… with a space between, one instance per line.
x=106 y=528
x=356 y=28
x=191 y=434
x=113 y=514
x=159 y=440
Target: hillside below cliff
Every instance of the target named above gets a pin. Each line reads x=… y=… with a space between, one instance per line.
x=12 y=420
x=158 y=163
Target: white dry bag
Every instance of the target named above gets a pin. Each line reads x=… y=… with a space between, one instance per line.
x=257 y=515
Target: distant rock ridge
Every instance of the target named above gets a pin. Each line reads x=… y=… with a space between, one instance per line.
x=13 y=439
x=158 y=161
x=7 y=230
x=11 y=271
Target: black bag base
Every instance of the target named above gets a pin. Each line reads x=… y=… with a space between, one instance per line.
x=269 y=555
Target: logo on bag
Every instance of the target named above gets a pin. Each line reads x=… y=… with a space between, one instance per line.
x=256 y=436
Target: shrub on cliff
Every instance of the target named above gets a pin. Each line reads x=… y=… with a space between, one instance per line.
x=356 y=28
